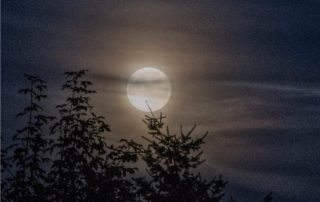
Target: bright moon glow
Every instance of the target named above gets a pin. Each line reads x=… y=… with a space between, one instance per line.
x=151 y=85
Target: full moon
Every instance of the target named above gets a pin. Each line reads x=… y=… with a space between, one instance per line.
x=148 y=86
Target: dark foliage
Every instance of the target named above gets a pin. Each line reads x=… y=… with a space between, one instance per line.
x=27 y=154
x=268 y=198
x=171 y=162
x=84 y=166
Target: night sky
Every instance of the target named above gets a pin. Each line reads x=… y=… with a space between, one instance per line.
x=247 y=72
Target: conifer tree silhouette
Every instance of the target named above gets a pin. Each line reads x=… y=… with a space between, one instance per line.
x=28 y=151
x=171 y=160
x=86 y=168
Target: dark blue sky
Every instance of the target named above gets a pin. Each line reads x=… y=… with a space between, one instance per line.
x=246 y=71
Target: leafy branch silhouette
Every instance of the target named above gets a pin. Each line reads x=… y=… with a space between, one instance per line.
x=87 y=165
x=28 y=152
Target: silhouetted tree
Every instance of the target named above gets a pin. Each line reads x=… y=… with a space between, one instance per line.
x=86 y=168
x=113 y=182
x=27 y=154
x=171 y=160
x=268 y=198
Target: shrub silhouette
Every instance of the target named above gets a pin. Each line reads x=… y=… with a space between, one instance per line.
x=84 y=166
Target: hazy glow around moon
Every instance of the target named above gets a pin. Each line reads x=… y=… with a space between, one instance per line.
x=148 y=84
